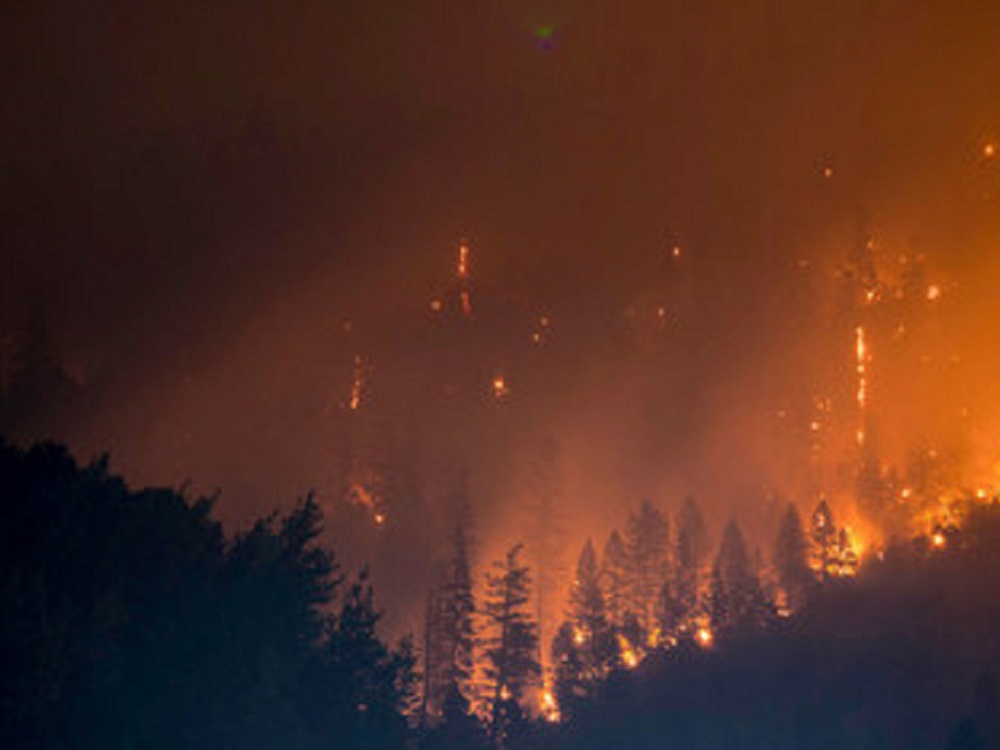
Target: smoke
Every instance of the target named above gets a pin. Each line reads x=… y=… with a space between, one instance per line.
x=210 y=227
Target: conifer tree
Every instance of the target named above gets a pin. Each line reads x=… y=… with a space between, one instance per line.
x=690 y=554
x=449 y=630
x=546 y=535
x=736 y=601
x=585 y=647
x=791 y=559
x=646 y=538
x=616 y=578
x=512 y=639
x=593 y=636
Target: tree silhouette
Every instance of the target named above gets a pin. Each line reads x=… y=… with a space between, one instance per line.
x=736 y=602
x=512 y=639
x=791 y=559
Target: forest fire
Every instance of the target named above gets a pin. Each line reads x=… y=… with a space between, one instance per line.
x=525 y=379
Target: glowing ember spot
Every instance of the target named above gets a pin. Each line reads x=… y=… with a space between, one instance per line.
x=661 y=312
x=938 y=540
x=505 y=694
x=933 y=292
x=906 y=493
x=704 y=637
x=536 y=338
x=379 y=518
x=466 y=303
x=675 y=251
x=814 y=426
x=436 y=305
x=500 y=389
x=989 y=150
x=543 y=321
x=579 y=637
x=828 y=172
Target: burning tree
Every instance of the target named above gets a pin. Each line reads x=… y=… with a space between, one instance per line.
x=584 y=648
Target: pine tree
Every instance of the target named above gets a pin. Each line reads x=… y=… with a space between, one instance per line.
x=736 y=601
x=616 y=578
x=368 y=685
x=512 y=643
x=646 y=538
x=546 y=537
x=690 y=554
x=791 y=559
x=585 y=647
x=449 y=628
x=592 y=632
x=669 y=611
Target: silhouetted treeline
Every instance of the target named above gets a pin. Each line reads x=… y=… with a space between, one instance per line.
x=905 y=655
x=128 y=620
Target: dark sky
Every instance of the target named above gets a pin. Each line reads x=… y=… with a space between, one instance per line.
x=196 y=196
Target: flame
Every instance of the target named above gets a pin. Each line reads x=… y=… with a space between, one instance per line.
x=704 y=637
x=462 y=271
x=548 y=707
x=356 y=384
x=463 y=261
x=862 y=357
x=629 y=656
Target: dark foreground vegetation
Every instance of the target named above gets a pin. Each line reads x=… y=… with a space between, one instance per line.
x=128 y=620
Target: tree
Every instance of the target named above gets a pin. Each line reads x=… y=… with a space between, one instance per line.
x=690 y=554
x=791 y=559
x=615 y=571
x=546 y=535
x=585 y=647
x=512 y=643
x=736 y=601
x=360 y=689
x=449 y=630
x=646 y=537
x=127 y=619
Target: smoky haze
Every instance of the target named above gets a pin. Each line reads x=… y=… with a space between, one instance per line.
x=212 y=209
